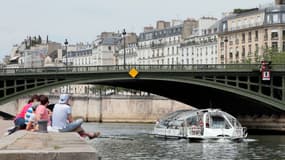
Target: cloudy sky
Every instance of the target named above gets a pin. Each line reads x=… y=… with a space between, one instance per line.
x=82 y=20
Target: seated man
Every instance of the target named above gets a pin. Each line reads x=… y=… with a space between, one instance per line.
x=63 y=121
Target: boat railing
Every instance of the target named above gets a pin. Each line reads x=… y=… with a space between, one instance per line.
x=194 y=131
x=239 y=132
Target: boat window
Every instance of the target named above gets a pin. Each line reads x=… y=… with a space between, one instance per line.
x=191 y=121
x=227 y=125
x=218 y=122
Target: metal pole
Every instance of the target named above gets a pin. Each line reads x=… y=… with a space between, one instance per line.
x=66 y=43
x=226 y=50
x=124 y=52
x=66 y=56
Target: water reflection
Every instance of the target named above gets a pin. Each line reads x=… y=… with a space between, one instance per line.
x=132 y=141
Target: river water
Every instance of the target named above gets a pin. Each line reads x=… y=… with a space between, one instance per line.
x=133 y=142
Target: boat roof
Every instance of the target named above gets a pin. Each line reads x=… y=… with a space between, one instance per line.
x=181 y=115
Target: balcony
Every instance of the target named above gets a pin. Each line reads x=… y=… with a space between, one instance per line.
x=251 y=25
x=274 y=38
x=157 y=45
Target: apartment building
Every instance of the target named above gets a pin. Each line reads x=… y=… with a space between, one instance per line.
x=247 y=35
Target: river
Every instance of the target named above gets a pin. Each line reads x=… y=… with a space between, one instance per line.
x=133 y=141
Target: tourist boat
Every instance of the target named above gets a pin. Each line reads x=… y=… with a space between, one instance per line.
x=197 y=125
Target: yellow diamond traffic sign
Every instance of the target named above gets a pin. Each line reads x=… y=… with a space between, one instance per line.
x=133 y=73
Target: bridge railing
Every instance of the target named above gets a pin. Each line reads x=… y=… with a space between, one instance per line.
x=167 y=68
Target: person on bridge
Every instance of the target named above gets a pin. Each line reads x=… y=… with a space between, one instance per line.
x=20 y=118
x=63 y=120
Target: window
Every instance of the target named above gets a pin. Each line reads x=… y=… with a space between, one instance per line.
x=256 y=49
x=224 y=26
x=249 y=50
x=276 y=18
x=249 y=36
x=243 y=51
x=243 y=38
x=237 y=52
x=268 y=19
x=256 y=35
x=283 y=17
x=274 y=35
x=266 y=34
x=275 y=46
x=218 y=122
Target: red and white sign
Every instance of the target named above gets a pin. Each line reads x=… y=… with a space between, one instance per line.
x=266 y=75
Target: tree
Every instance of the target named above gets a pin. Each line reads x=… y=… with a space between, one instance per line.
x=274 y=56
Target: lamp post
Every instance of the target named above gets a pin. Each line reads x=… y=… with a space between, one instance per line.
x=124 y=34
x=66 y=43
x=226 y=49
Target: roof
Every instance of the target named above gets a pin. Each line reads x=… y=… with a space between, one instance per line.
x=111 y=41
x=167 y=32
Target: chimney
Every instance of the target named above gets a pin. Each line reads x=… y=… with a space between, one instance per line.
x=279 y=2
x=148 y=28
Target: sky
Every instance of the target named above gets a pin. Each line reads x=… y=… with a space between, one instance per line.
x=83 y=20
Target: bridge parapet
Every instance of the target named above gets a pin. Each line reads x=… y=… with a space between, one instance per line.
x=150 y=68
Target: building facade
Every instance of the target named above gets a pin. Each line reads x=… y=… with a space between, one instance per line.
x=247 y=35
x=128 y=51
x=160 y=46
x=201 y=46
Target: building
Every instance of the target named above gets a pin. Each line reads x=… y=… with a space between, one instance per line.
x=82 y=57
x=131 y=56
x=106 y=47
x=200 y=47
x=247 y=34
x=160 y=46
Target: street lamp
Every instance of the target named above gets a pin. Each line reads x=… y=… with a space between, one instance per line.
x=124 y=34
x=226 y=48
x=66 y=43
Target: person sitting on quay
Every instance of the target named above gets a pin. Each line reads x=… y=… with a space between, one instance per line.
x=63 y=121
x=42 y=112
x=30 y=119
x=20 y=118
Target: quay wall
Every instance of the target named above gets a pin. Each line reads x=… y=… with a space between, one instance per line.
x=111 y=108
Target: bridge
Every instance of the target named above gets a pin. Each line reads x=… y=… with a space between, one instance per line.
x=235 y=88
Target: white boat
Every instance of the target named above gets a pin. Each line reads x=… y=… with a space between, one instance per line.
x=196 y=125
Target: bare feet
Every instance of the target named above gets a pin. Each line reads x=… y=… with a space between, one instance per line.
x=94 y=135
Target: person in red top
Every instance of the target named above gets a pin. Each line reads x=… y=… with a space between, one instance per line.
x=20 y=117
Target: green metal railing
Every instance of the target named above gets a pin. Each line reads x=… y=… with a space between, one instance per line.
x=140 y=68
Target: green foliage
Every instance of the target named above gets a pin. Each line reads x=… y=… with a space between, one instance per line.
x=274 y=56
